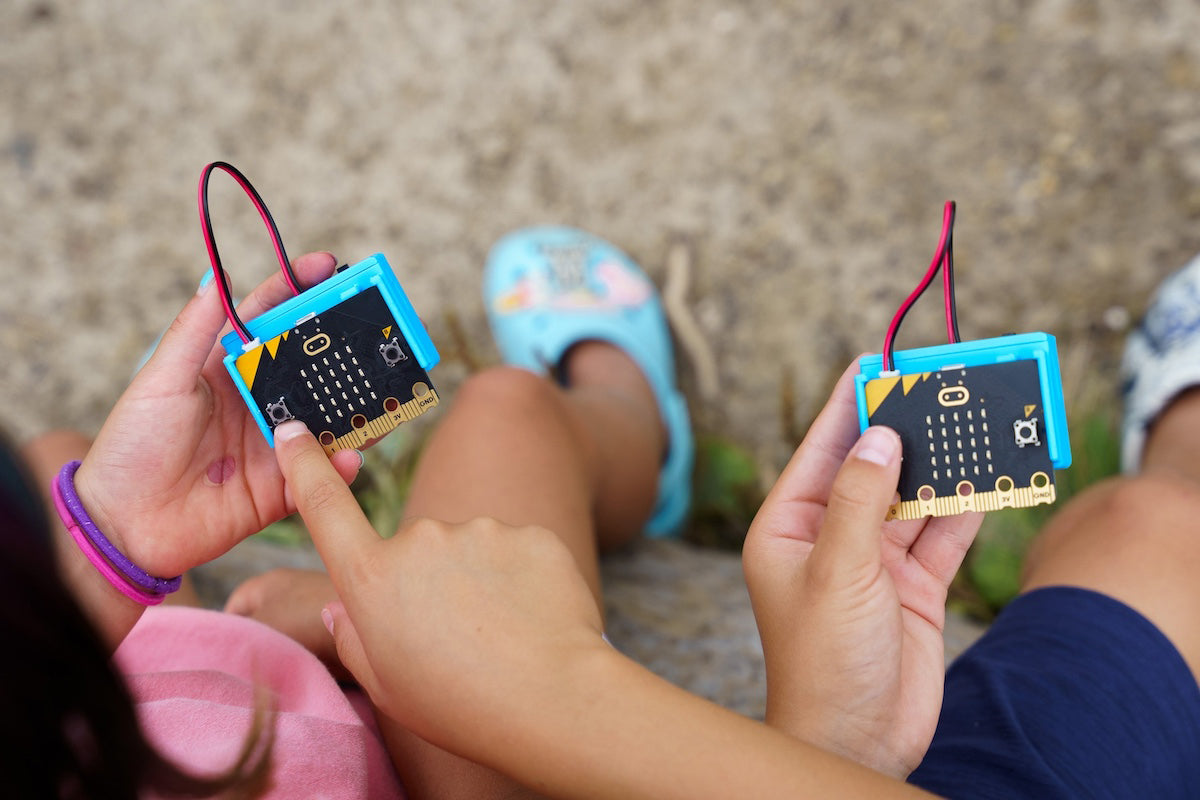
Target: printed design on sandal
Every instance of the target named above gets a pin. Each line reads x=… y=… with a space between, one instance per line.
x=1177 y=315
x=569 y=284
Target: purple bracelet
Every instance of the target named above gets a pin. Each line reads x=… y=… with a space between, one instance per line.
x=97 y=559
x=77 y=516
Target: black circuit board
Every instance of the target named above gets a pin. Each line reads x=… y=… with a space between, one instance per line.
x=974 y=438
x=348 y=372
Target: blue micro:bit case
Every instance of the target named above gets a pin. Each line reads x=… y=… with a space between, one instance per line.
x=983 y=423
x=348 y=357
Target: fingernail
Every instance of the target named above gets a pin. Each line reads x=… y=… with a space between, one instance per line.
x=290 y=430
x=362 y=459
x=327 y=618
x=205 y=282
x=877 y=445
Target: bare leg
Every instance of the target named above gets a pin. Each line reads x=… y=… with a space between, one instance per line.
x=582 y=462
x=1137 y=538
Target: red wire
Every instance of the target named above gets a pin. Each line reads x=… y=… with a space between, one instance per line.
x=280 y=254
x=211 y=245
x=219 y=275
x=944 y=247
x=939 y=258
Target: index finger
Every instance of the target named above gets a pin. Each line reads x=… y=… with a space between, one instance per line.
x=338 y=526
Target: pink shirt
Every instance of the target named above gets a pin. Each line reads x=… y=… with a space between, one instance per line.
x=193 y=675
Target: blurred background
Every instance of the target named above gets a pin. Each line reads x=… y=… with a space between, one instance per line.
x=792 y=156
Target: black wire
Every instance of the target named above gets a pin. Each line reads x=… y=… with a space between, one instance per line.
x=211 y=240
x=218 y=269
x=944 y=259
x=951 y=299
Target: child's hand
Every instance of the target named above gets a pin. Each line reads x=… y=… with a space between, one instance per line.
x=180 y=472
x=443 y=623
x=485 y=640
x=850 y=608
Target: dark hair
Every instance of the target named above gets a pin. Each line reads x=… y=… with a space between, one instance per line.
x=68 y=728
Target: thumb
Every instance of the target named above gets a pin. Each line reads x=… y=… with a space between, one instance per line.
x=858 y=502
x=188 y=342
x=349 y=646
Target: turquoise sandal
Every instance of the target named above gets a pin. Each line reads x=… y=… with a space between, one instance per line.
x=549 y=288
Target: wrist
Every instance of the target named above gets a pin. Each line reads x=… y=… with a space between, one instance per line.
x=119 y=525
x=88 y=491
x=109 y=600
x=801 y=722
x=839 y=732
x=108 y=550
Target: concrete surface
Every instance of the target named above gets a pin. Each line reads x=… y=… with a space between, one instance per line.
x=801 y=152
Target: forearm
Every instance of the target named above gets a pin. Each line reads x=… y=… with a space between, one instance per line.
x=430 y=773
x=112 y=613
x=611 y=729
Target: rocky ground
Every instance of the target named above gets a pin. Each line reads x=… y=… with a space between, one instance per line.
x=798 y=152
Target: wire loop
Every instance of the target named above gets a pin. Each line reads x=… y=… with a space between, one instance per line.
x=210 y=241
x=943 y=259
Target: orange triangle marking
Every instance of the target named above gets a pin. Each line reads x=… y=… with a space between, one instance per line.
x=877 y=390
x=247 y=365
x=909 y=381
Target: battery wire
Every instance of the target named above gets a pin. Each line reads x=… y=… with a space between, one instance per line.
x=943 y=259
x=210 y=241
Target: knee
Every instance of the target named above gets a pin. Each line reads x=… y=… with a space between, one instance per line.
x=511 y=392
x=1135 y=540
x=1122 y=519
